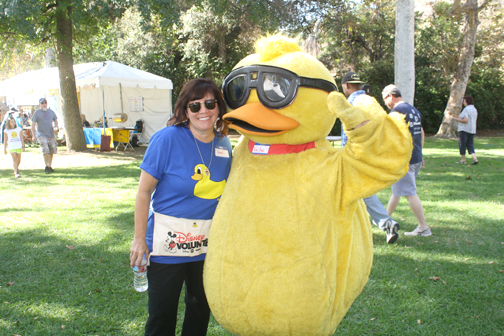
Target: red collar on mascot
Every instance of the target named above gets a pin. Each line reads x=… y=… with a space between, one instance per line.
x=277 y=149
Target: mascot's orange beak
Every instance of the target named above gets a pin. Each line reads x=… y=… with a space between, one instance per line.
x=257 y=119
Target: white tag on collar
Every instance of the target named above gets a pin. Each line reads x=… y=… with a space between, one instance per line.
x=261 y=149
x=221 y=152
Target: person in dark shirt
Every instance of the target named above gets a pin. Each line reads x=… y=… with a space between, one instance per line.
x=407 y=185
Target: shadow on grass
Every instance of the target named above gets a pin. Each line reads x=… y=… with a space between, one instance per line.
x=129 y=169
x=422 y=286
x=87 y=288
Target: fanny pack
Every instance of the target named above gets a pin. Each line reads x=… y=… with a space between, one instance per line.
x=179 y=237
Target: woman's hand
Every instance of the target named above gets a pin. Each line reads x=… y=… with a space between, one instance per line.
x=138 y=249
x=146 y=187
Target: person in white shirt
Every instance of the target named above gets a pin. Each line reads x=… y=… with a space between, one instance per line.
x=14 y=143
x=467 y=129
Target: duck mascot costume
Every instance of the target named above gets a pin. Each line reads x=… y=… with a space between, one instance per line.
x=290 y=246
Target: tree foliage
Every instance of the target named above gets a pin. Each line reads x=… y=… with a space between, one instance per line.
x=357 y=34
x=182 y=40
x=206 y=40
x=59 y=22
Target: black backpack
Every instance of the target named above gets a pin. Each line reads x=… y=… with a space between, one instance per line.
x=139 y=125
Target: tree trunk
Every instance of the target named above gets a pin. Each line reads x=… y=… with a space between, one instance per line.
x=404 y=53
x=448 y=127
x=72 y=122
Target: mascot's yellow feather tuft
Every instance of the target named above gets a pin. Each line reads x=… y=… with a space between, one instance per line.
x=290 y=246
x=274 y=46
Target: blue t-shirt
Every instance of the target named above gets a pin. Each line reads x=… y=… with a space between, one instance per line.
x=172 y=158
x=414 y=118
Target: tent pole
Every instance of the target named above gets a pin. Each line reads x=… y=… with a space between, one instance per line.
x=103 y=104
x=120 y=96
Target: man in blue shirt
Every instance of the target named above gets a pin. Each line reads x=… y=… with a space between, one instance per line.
x=352 y=90
x=407 y=185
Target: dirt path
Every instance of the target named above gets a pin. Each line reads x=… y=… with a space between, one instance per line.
x=32 y=158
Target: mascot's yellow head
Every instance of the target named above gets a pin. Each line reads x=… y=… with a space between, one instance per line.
x=279 y=94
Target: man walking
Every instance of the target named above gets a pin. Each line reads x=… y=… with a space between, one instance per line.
x=356 y=96
x=407 y=185
x=43 y=119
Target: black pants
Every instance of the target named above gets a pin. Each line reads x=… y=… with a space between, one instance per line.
x=165 y=286
x=466 y=140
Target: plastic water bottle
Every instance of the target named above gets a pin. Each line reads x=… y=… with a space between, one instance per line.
x=140 y=282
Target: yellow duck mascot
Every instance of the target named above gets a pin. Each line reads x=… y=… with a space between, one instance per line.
x=290 y=246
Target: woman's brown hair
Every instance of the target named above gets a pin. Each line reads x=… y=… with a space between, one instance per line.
x=469 y=100
x=193 y=90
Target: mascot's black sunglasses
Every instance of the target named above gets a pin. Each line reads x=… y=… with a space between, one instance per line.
x=276 y=87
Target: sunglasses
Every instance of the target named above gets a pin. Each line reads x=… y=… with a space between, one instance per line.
x=276 y=87
x=44 y=102
x=196 y=106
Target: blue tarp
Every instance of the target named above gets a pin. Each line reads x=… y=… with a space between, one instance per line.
x=93 y=136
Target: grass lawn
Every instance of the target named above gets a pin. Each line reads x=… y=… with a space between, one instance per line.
x=65 y=241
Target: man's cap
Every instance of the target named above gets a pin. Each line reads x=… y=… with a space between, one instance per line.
x=41 y=100
x=391 y=89
x=351 y=77
x=13 y=109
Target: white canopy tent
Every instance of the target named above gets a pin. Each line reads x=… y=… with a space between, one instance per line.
x=104 y=88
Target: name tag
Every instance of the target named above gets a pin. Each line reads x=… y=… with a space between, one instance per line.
x=260 y=149
x=221 y=152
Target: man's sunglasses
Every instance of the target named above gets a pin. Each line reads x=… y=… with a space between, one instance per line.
x=276 y=87
x=44 y=102
x=209 y=104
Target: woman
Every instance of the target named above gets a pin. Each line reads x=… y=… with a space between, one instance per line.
x=184 y=169
x=84 y=121
x=467 y=129
x=14 y=142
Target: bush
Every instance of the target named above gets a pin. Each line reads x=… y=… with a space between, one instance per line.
x=486 y=88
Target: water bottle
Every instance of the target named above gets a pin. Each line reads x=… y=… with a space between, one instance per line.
x=140 y=277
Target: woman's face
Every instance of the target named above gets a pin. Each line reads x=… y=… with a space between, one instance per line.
x=12 y=123
x=204 y=120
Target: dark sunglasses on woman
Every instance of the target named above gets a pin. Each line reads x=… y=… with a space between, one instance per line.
x=209 y=104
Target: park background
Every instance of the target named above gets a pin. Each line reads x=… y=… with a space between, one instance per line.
x=182 y=40
x=66 y=236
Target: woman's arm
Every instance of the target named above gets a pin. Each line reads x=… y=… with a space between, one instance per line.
x=463 y=120
x=423 y=137
x=146 y=187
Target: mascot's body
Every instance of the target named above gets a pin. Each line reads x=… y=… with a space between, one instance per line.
x=291 y=245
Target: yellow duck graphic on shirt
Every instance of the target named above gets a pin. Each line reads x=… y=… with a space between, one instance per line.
x=206 y=188
x=290 y=246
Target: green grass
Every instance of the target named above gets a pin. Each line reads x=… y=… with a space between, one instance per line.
x=65 y=242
